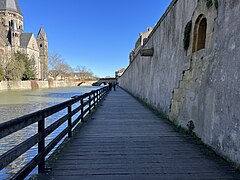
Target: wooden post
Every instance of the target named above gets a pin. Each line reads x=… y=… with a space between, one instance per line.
x=101 y=93
x=70 y=121
x=94 y=99
x=82 y=110
x=41 y=144
x=90 y=106
x=98 y=96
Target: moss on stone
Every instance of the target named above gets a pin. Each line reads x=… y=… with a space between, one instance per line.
x=216 y=4
x=209 y=3
x=187 y=33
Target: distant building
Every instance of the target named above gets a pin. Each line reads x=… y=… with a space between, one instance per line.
x=141 y=40
x=119 y=72
x=13 y=38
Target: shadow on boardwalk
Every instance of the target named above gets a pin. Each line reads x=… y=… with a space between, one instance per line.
x=125 y=140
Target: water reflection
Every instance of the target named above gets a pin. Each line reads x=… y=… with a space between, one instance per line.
x=14 y=104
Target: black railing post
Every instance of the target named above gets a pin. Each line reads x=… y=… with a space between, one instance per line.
x=69 y=121
x=97 y=96
x=41 y=144
x=90 y=106
x=94 y=99
x=100 y=97
x=82 y=110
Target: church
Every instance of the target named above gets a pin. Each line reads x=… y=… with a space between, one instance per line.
x=13 y=38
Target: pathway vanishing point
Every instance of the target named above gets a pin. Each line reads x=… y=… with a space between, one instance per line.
x=125 y=140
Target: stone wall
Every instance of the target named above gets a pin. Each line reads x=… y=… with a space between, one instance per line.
x=21 y=85
x=201 y=86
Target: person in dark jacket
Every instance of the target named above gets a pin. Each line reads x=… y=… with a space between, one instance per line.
x=110 y=86
x=114 y=86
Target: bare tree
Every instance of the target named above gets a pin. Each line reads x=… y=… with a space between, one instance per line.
x=57 y=66
x=83 y=73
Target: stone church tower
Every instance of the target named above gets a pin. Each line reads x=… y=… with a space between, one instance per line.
x=13 y=38
x=43 y=52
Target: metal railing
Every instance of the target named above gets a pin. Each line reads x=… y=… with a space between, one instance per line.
x=87 y=101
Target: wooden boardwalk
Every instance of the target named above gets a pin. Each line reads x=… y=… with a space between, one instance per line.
x=125 y=140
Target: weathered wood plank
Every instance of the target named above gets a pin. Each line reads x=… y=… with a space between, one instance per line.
x=125 y=140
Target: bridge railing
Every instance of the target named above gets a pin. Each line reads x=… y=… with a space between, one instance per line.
x=87 y=102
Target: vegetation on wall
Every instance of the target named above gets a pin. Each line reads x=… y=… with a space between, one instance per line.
x=209 y=3
x=187 y=34
x=216 y=4
x=1 y=73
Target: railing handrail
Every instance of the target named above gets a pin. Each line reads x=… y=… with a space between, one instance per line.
x=14 y=125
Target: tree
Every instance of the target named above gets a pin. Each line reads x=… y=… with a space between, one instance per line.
x=83 y=73
x=14 y=68
x=18 y=67
x=29 y=65
x=57 y=66
x=65 y=69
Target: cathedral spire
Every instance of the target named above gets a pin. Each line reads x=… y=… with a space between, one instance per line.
x=10 y=5
x=42 y=33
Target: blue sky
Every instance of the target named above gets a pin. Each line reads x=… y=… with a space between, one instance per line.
x=98 y=34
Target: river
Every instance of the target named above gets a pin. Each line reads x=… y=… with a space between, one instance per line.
x=17 y=103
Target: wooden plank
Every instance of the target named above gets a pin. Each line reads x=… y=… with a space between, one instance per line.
x=17 y=124
x=125 y=139
x=55 y=125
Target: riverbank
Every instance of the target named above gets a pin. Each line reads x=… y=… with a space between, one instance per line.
x=16 y=103
x=34 y=84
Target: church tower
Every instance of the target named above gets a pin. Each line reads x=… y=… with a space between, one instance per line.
x=43 y=52
x=12 y=22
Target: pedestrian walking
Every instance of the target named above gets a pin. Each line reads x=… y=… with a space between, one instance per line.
x=114 y=86
x=110 y=86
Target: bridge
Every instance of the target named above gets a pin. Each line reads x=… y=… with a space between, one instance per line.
x=99 y=82
x=105 y=81
x=119 y=139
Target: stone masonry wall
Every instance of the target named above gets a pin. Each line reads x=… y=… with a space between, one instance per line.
x=201 y=86
x=22 y=85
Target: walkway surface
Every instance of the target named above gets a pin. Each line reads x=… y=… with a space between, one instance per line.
x=125 y=140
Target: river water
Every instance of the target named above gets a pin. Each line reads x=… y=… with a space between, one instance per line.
x=14 y=104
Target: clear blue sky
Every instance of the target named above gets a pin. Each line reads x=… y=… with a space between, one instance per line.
x=98 y=34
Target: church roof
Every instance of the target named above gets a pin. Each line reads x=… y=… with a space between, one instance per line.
x=42 y=32
x=25 y=39
x=10 y=5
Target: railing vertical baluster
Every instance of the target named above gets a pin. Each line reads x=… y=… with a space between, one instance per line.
x=90 y=105
x=94 y=99
x=40 y=117
x=41 y=144
x=82 y=110
x=98 y=96
x=70 y=121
